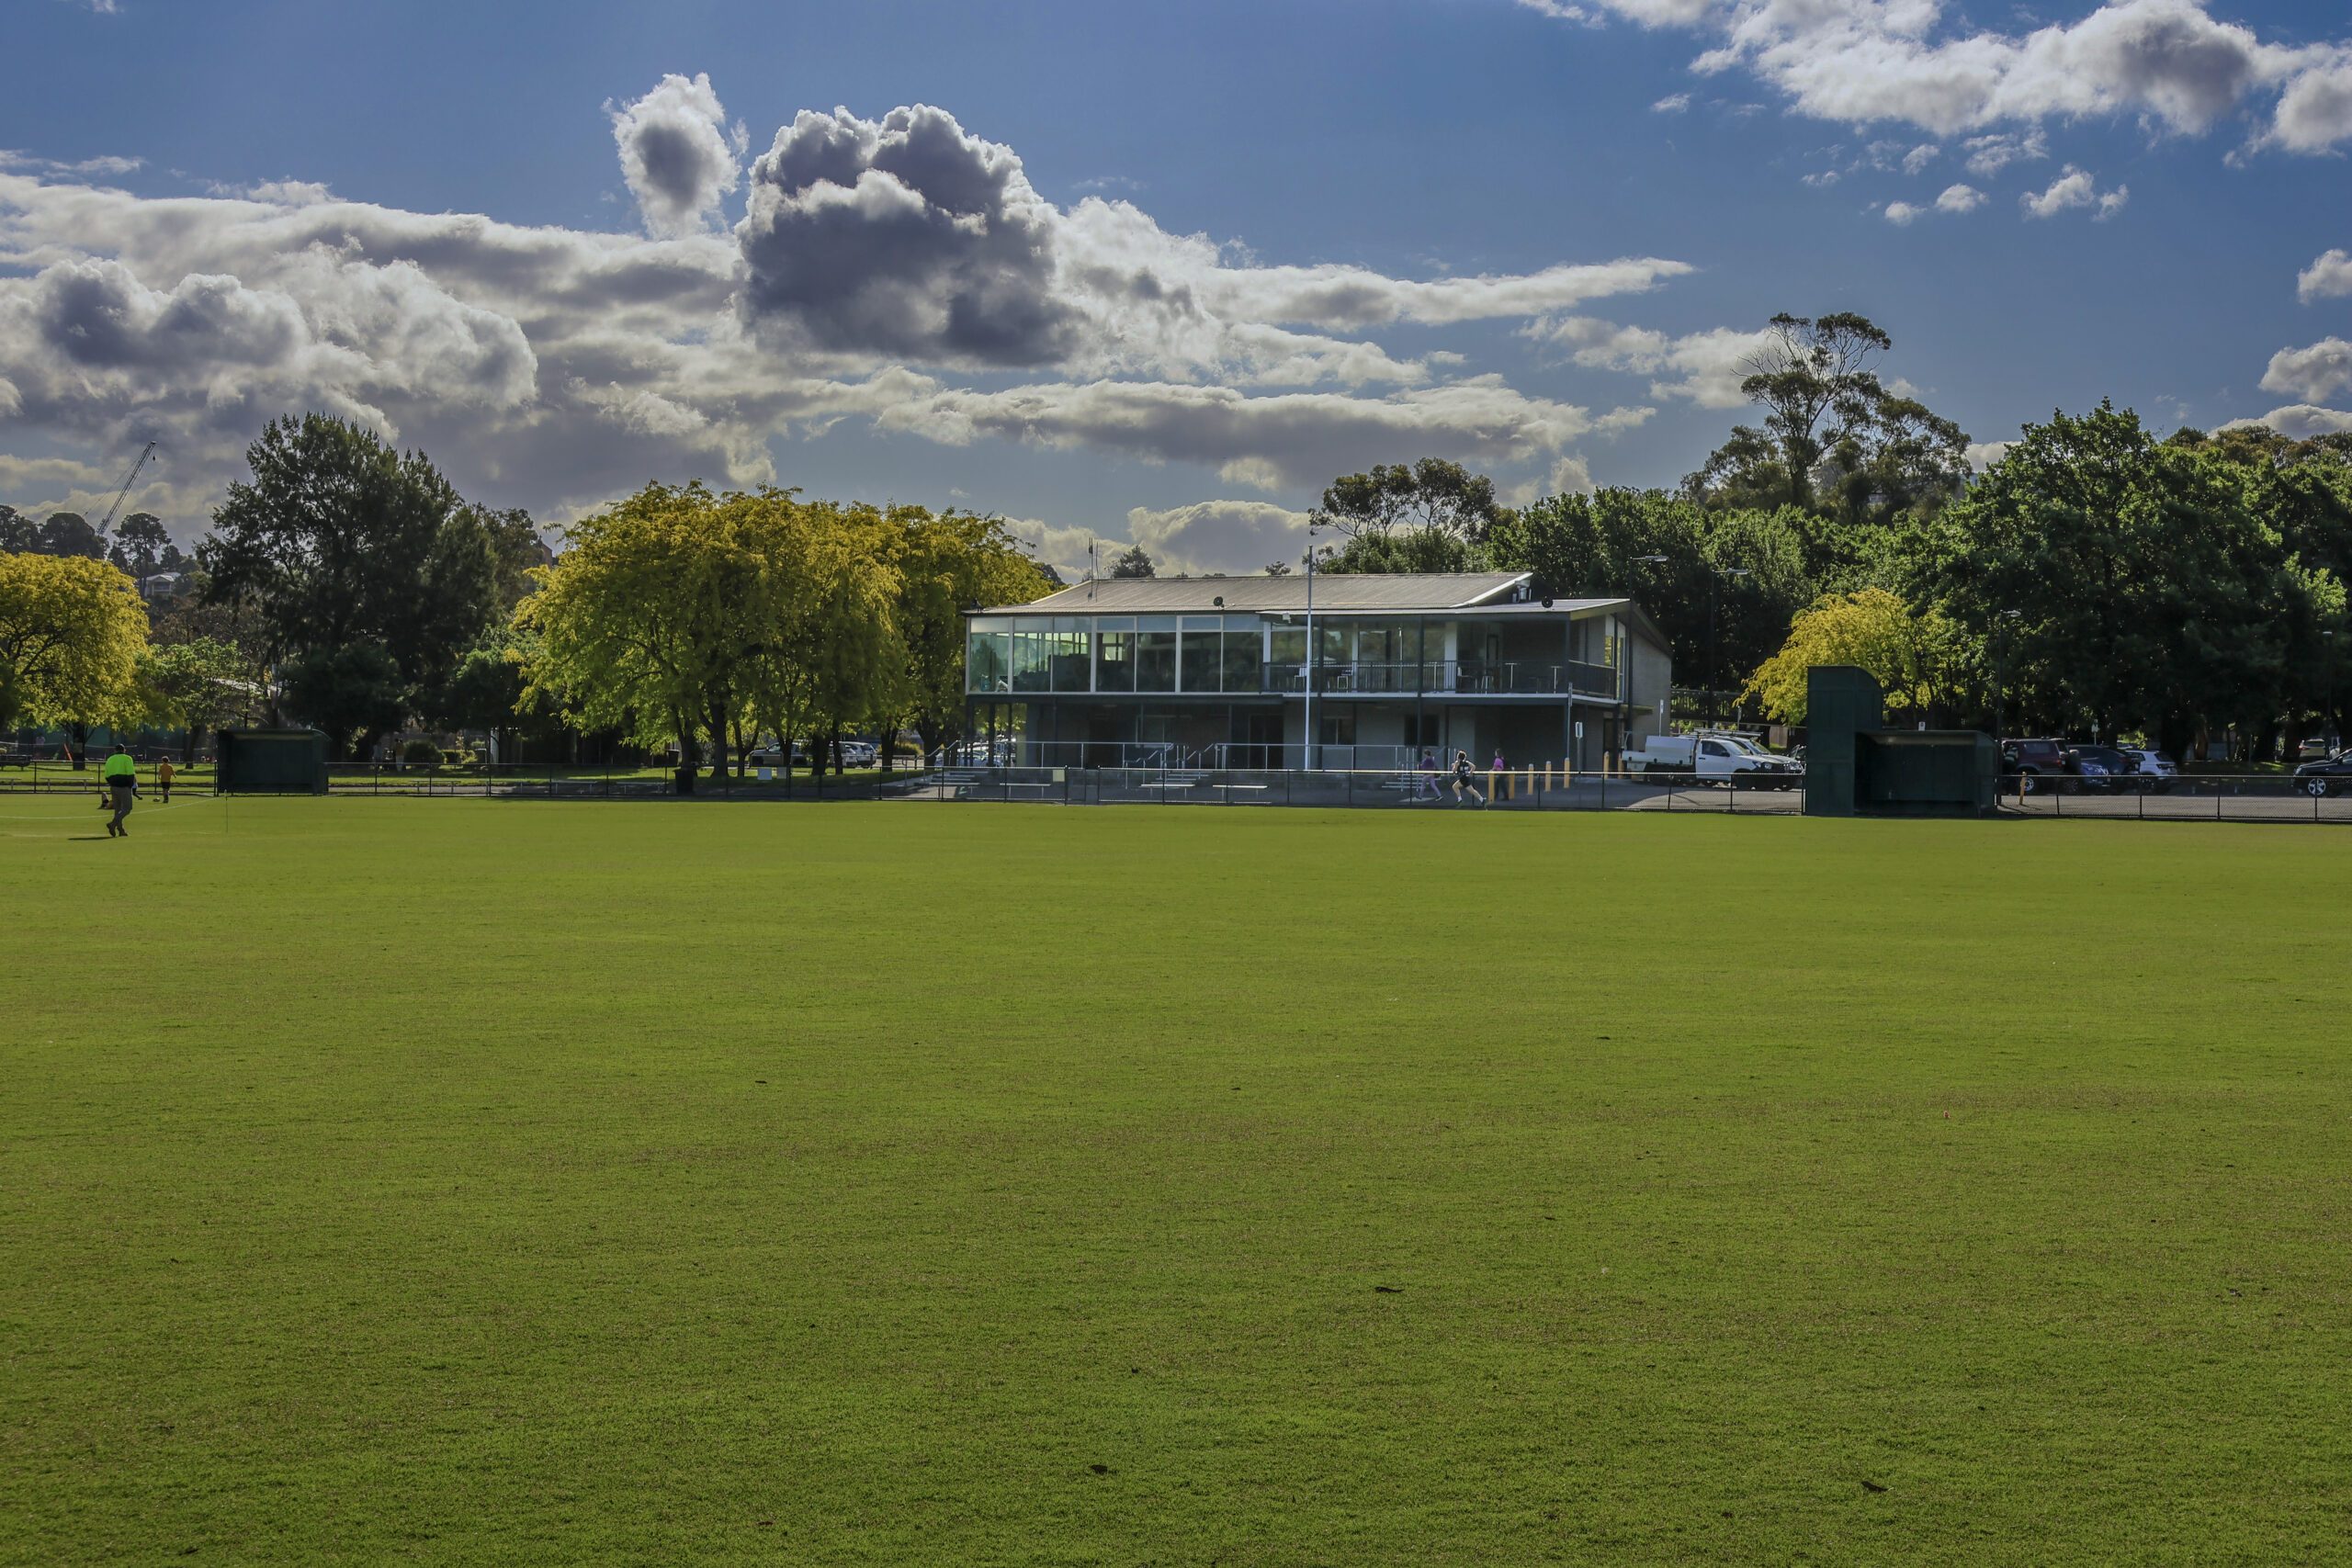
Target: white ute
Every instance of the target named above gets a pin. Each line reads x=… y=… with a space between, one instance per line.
x=1711 y=757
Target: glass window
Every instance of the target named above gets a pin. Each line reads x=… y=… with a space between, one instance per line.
x=1336 y=642
x=1155 y=658
x=1031 y=671
x=1376 y=645
x=1202 y=657
x=1114 y=662
x=986 y=656
x=1203 y=623
x=1288 y=653
x=1155 y=622
x=1068 y=650
x=1115 y=623
x=1033 y=623
x=1243 y=651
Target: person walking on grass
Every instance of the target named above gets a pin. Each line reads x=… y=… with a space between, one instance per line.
x=164 y=779
x=1464 y=777
x=120 y=776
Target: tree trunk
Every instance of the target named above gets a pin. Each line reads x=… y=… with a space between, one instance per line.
x=79 y=735
x=685 y=756
x=833 y=745
x=187 y=752
x=742 y=751
x=718 y=742
x=2175 y=735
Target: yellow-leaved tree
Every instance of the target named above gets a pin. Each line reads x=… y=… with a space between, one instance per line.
x=683 y=614
x=72 y=630
x=1913 y=657
x=947 y=562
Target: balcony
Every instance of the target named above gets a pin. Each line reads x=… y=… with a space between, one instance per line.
x=1464 y=677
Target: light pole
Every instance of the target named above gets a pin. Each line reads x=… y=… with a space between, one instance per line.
x=1307 y=746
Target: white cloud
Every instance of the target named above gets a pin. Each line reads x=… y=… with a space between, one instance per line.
x=2325 y=278
x=2166 y=62
x=910 y=237
x=1292 y=438
x=2312 y=373
x=2301 y=422
x=557 y=368
x=1232 y=537
x=1711 y=364
x=1919 y=157
x=1901 y=213
x=1960 y=198
x=1982 y=455
x=1569 y=475
x=103 y=165
x=676 y=155
x=1988 y=156
x=1673 y=103
x=2074 y=187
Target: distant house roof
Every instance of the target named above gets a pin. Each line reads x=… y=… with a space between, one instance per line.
x=1337 y=592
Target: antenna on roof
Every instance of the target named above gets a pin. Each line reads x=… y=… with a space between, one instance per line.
x=1090 y=568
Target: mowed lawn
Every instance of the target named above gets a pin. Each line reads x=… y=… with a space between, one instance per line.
x=457 y=1181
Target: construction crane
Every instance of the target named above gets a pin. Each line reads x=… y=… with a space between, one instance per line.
x=123 y=494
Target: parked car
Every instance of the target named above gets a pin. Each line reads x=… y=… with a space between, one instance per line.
x=2155 y=769
x=2331 y=776
x=1716 y=757
x=860 y=754
x=2098 y=769
x=2027 y=760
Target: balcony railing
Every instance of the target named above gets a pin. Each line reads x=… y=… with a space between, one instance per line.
x=1435 y=677
x=1507 y=676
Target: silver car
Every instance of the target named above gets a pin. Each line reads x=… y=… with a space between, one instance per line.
x=2155 y=769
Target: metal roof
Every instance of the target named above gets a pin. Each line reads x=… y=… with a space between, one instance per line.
x=1335 y=592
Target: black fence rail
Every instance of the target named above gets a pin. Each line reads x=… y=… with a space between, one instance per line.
x=2235 y=797
x=1522 y=789
x=2191 y=797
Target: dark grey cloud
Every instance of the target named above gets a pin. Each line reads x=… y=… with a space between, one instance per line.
x=905 y=237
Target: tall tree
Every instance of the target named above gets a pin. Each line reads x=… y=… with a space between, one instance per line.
x=1431 y=515
x=140 y=546
x=198 y=684
x=1858 y=459
x=2151 y=592
x=71 y=634
x=1724 y=593
x=1914 y=657
x=946 y=564
x=338 y=541
x=68 y=534
x=1136 y=562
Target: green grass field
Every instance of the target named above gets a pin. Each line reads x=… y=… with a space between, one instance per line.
x=457 y=1182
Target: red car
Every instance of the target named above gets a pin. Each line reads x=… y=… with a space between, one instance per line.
x=2027 y=759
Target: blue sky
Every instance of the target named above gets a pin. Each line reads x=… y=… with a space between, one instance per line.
x=1197 y=282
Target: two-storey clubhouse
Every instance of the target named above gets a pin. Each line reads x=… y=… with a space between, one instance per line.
x=1400 y=670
